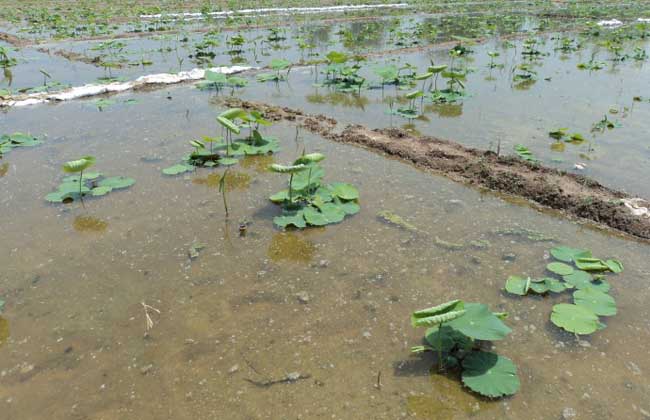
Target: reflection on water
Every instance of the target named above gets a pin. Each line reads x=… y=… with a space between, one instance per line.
x=4 y=168
x=291 y=246
x=4 y=331
x=89 y=224
x=445 y=110
x=346 y=100
x=258 y=163
x=235 y=180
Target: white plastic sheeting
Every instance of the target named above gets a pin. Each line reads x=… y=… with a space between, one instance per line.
x=95 y=89
x=609 y=23
x=637 y=206
x=276 y=11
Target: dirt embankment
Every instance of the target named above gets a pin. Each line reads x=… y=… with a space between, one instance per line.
x=574 y=195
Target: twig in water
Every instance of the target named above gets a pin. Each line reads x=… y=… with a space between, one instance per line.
x=148 y=322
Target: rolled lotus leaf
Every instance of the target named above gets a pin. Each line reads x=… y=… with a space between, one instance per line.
x=79 y=164
x=309 y=158
x=414 y=94
x=287 y=169
x=424 y=76
x=231 y=126
x=432 y=321
x=418 y=317
x=197 y=144
x=437 y=69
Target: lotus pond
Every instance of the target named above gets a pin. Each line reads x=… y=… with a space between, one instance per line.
x=167 y=256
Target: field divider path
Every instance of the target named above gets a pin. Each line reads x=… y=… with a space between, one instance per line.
x=573 y=195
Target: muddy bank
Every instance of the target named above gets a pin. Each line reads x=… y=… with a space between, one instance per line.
x=574 y=195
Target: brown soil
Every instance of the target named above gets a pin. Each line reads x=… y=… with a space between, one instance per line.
x=573 y=195
x=13 y=40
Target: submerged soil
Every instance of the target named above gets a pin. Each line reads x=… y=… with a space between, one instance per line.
x=572 y=194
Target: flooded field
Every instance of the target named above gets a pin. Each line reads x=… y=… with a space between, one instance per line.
x=181 y=296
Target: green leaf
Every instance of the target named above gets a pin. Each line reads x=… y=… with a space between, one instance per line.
x=79 y=164
x=560 y=268
x=438 y=314
x=287 y=169
x=280 y=196
x=229 y=125
x=228 y=161
x=614 y=266
x=344 y=191
x=480 y=323
x=575 y=319
x=177 y=169
x=591 y=264
x=116 y=182
x=598 y=302
x=578 y=279
x=518 y=285
x=99 y=191
x=332 y=212
x=350 y=208
x=567 y=254
x=309 y=158
x=314 y=217
x=447 y=338
x=291 y=218
x=490 y=374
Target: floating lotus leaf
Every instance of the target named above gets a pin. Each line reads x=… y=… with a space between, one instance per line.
x=280 y=196
x=560 y=268
x=591 y=264
x=99 y=191
x=480 y=323
x=554 y=285
x=73 y=187
x=567 y=254
x=57 y=196
x=79 y=164
x=116 y=182
x=344 y=191
x=599 y=302
x=295 y=218
x=178 y=169
x=332 y=212
x=438 y=314
x=490 y=374
x=350 y=208
x=601 y=285
x=518 y=285
x=575 y=319
x=314 y=217
x=578 y=279
x=614 y=266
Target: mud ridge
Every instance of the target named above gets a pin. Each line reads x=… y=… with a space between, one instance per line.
x=573 y=195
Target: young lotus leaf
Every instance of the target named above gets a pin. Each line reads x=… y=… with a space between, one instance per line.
x=600 y=303
x=518 y=286
x=591 y=264
x=344 y=191
x=349 y=208
x=490 y=374
x=615 y=266
x=447 y=338
x=234 y=113
x=480 y=323
x=578 y=279
x=280 y=196
x=88 y=176
x=437 y=69
x=79 y=164
x=575 y=319
x=554 y=285
x=230 y=126
x=332 y=212
x=178 y=169
x=560 y=268
x=567 y=254
x=601 y=285
x=309 y=158
x=287 y=169
x=438 y=314
x=116 y=182
x=226 y=161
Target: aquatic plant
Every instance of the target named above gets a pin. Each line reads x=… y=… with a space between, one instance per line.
x=277 y=65
x=217 y=81
x=524 y=153
x=307 y=202
x=12 y=141
x=226 y=150
x=453 y=330
x=573 y=268
x=341 y=75
x=94 y=184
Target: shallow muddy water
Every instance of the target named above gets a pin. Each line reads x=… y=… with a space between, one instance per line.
x=330 y=304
